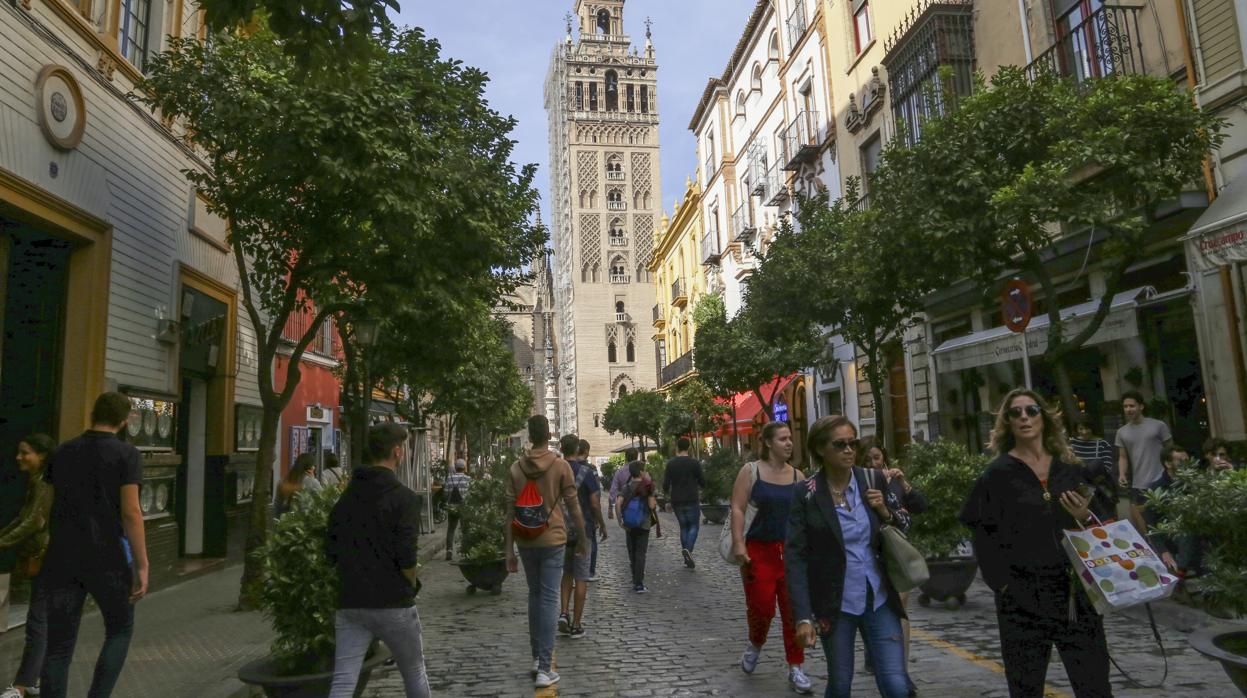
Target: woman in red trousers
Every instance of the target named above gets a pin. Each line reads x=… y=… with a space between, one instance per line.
x=769 y=485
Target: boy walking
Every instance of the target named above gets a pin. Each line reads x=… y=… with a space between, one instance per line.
x=371 y=542
x=97 y=546
x=1139 y=442
x=538 y=527
x=577 y=570
x=682 y=483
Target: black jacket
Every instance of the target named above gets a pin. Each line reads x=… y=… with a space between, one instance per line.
x=371 y=539
x=1017 y=533
x=683 y=480
x=814 y=558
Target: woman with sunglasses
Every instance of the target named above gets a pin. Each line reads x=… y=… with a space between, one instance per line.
x=836 y=576
x=1032 y=490
x=769 y=484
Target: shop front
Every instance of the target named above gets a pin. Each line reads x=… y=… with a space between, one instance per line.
x=311 y=423
x=743 y=426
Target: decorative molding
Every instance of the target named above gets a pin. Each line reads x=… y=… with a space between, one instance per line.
x=873 y=95
x=60 y=107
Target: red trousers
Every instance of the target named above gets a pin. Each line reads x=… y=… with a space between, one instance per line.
x=764 y=588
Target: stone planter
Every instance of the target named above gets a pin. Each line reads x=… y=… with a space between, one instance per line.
x=714 y=514
x=1225 y=644
x=950 y=578
x=266 y=674
x=487 y=575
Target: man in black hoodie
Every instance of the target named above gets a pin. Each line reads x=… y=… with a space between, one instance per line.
x=372 y=542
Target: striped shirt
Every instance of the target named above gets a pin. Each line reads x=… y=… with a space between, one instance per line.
x=457 y=481
x=1093 y=452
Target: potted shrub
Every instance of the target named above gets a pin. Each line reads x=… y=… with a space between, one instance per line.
x=719 y=471
x=299 y=595
x=1213 y=507
x=484 y=512
x=945 y=472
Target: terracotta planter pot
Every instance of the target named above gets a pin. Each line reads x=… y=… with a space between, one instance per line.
x=487 y=575
x=950 y=578
x=266 y=674
x=714 y=514
x=1223 y=643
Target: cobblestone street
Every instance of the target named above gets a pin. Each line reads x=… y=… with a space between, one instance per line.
x=685 y=638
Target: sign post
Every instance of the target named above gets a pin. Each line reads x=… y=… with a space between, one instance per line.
x=1016 y=307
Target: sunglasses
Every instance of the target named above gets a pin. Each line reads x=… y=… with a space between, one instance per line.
x=1031 y=410
x=846 y=444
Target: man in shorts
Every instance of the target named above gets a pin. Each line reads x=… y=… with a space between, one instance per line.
x=1139 y=442
x=577 y=569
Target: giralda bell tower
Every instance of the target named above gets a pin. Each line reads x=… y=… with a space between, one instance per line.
x=601 y=98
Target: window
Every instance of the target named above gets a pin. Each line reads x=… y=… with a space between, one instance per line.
x=132 y=34
x=861 y=24
x=662 y=353
x=623 y=390
x=616 y=235
x=772 y=49
x=611 y=354
x=740 y=103
x=619 y=307
x=644 y=99
x=593 y=96
x=604 y=22
x=612 y=91
x=629 y=354
x=580 y=95
x=630 y=95
x=917 y=81
x=870 y=152
x=755 y=78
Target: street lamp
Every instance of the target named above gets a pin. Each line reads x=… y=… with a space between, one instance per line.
x=367 y=331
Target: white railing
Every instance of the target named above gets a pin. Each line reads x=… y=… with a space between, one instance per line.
x=616 y=206
x=620 y=278
x=619 y=242
x=615 y=175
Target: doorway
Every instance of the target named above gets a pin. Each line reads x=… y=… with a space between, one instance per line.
x=192 y=476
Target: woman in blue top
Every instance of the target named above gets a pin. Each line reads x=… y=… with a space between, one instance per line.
x=835 y=572
x=769 y=485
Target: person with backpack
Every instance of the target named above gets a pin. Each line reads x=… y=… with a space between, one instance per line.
x=577 y=570
x=636 y=506
x=539 y=528
x=455 y=489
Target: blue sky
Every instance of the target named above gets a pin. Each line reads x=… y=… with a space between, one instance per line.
x=512 y=42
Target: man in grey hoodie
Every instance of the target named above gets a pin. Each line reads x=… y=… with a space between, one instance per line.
x=542 y=553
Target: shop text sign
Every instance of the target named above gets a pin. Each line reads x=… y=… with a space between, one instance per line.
x=1004 y=346
x=1221 y=247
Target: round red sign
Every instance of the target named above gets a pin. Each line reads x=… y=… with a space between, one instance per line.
x=1017 y=305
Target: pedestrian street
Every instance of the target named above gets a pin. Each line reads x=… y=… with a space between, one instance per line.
x=685 y=638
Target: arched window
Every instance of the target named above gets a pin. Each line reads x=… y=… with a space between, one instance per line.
x=629 y=353
x=772 y=50
x=614 y=200
x=740 y=103
x=619 y=307
x=604 y=22
x=610 y=351
x=755 y=78
x=616 y=234
x=644 y=99
x=612 y=91
x=623 y=390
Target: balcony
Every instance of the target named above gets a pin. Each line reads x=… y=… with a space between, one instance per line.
x=710 y=168
x=616 y=206
x=742 y=223
x=710 y=252
x=677 y=369
x=777 y=187
x=660 y=320
x=800 y=140
x=679 y=294
x=1107 y=42
x=620 y=279
x=616 y=176
x=618 y=241
x=796 y=23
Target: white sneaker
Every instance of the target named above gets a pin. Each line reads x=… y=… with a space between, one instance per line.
x=546 y=679
x=536 y=668
x=11 y=692
x=749 y=660
x=800 y=682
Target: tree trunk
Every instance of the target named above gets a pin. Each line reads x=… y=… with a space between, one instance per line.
x=257 y=530
x=1066 y=388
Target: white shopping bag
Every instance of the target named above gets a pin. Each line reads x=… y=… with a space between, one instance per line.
x=1117 y=567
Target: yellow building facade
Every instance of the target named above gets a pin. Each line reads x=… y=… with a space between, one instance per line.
x=679 y=280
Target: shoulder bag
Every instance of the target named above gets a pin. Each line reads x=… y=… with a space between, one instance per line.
x=725 y=535
x=905 y=566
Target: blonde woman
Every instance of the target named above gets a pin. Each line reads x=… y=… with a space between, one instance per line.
x=1033 y=489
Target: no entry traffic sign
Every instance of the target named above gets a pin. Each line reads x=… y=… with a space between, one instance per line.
x=1017 y=305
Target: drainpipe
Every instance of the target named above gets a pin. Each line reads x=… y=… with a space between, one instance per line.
x=1026 y=32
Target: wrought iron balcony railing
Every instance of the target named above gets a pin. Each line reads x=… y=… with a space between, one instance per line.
x=800 y=140
x=796 y=23
x=677 y=369
x=1107 y=42
x=710 y=252
x=679 y=295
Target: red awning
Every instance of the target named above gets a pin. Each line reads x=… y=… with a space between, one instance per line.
x=746 y=406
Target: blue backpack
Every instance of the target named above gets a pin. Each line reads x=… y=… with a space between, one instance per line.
x=634 y=512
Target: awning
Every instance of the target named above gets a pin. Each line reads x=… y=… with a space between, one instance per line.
x=999 y=344
x=1219 y=235
x=746 y=406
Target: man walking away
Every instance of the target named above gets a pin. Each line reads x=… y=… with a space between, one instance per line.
x=97 y=546
x=1139 y=442
x=682 y=484
x=636 y=505
x=577 y=571
x=371 y=542
x=593 y=516
x=534 y=522
x=455 y=490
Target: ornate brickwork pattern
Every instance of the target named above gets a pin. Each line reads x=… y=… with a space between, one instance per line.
x=590 y=239
x=643 y=229
x=641 y=176
x=587 y=170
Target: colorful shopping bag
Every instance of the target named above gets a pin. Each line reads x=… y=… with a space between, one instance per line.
x=1117 y=567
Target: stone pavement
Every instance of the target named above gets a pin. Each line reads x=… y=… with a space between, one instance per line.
x=188 y=640
x=685 y=637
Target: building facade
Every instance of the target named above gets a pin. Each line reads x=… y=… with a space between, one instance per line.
x=115 y=274
x=679 y=281
x=601 y=98
x=529 y=312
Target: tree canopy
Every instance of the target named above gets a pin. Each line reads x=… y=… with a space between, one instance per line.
x=637 y=414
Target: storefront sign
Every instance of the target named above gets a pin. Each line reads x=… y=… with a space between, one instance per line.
x=1225 y=246
x=1001 y=345
x=781 y=411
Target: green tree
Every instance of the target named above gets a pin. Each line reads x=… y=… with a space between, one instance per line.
x=988 y=183
x=637 y=414
x=312 y=30
x=692 y=409
x=390 y=186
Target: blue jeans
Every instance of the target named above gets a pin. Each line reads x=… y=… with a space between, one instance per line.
x=543 y=570
x=881 y=630
x=689 y=516
x=398 y=628
x=65 y=596
x=36 y=637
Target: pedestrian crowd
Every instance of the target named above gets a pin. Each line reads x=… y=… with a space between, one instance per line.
x=812 y=547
